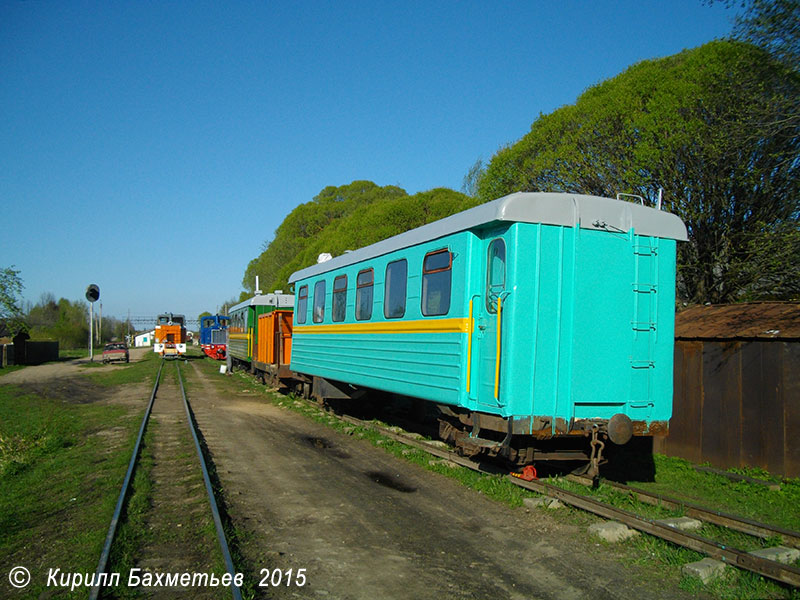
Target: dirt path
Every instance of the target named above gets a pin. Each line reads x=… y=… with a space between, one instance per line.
x=58 y=370
x=364 y=524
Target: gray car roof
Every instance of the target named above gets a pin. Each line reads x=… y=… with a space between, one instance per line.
x=588 y=212
x=278 y=300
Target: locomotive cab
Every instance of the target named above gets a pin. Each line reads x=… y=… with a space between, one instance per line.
x=170 y=335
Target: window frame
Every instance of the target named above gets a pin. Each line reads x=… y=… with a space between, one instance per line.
x=386 y=289
x=361 y=286
x=339 y=293
x=302 y=304
x=490 y=295
x=425 y=273
x=321 y=305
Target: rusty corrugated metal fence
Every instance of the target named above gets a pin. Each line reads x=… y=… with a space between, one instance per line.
x=736 y=404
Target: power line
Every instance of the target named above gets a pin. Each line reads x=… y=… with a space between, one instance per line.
x=151 y=321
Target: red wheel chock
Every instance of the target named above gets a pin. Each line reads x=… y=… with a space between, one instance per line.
x=527 y=474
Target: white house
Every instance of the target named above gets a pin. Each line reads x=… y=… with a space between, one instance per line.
x=144 y=339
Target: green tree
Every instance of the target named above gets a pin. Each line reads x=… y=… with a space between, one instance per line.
x=43 y=314
x=347 y=218
x=203 y=314
x=11 y=317
x=67 y=322
x=469 y=186
x=685 y=124
x=305 y=224
x=773 y=25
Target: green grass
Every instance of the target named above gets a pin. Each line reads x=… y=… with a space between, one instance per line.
x=675 y=477
x=61 y=467
x=114 y=374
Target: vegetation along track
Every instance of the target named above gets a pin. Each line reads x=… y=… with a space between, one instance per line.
x=101 y=568
x=777 y=571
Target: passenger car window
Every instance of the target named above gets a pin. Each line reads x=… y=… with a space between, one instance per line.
x=394 y=297
x=436 y=282
x=302 y=304
x=364 y=286
x=495 y=273
x=339 y=304
x=319 y=301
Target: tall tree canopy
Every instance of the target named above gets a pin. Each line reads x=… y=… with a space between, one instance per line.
x=688 y=124
x=304 y=224
x=346 y=218
x=773 y=25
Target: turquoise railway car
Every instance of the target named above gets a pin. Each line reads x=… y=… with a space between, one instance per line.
x=242 y=328
x=534 y=317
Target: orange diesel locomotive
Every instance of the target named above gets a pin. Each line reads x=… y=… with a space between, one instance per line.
x=170 y=335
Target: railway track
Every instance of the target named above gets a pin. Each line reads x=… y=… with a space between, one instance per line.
x=774 y=570
x=104 y=556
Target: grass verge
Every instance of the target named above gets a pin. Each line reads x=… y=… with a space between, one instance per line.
x=62 y=462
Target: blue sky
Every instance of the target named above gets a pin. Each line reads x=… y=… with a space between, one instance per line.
x=153 y=147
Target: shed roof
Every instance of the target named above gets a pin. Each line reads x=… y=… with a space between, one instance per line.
x=751 y=320
x=588 y=212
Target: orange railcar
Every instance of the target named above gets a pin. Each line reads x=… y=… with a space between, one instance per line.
x=275 y=338
x=273 y=351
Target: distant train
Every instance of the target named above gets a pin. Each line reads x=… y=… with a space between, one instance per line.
x=170 y=335
x=213 y=336
x=540 y=324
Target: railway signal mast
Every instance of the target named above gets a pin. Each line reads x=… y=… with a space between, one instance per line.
x=92 y=295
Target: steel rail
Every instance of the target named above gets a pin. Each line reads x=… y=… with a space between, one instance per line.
x=774 y=570
x=742 y=524
x=101 y=566
x=223 y=543
x=768 y=568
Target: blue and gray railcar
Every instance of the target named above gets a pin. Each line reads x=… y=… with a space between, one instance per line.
x=532 y=317
x=213 y=336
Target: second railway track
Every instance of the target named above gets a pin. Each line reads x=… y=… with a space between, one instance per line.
x=783 y=573
x=169 y=403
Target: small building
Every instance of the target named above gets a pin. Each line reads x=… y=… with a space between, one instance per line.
x=144 y=339
x=737 y=387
